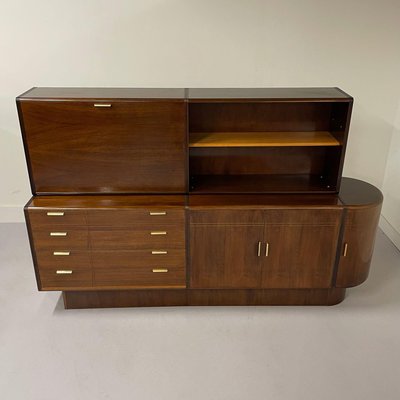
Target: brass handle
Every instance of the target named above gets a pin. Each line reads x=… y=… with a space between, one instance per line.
x=158 y=213
x=104 y=105
x=266 y=249
x=159 y=252
x=158 y=233
x=160 y=270
x=63 y=272
x=58 y=233
x=259 y=249
x=61 y=253
x=345 y=250
x=55 y=213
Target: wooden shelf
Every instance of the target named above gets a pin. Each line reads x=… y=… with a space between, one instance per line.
x=262 y=139
x=273 y=183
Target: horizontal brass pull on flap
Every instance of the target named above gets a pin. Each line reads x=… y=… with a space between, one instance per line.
x=104 y=105
x=63 y=272
x=158 y=233
x=61 y=253
x=158 y=213
x=159 y=252
x=58 y=233
x=160 y=270
x=55 y=213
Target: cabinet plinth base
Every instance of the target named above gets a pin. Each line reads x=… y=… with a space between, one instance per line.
x=202 y=297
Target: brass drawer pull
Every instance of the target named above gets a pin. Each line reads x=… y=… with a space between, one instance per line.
x=104 y=105
x=266 y=249
x=259 y=249
x=345 y=250
x=55 y=213
x=158 y=213
x=63 y=272
x=160 y=270
x=58 y=233
x=158 y=233
x=159 y=252
x=61 y=253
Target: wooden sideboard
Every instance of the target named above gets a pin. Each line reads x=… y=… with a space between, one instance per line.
x=167 y=197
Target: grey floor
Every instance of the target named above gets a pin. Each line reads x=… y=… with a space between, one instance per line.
x=348 y=351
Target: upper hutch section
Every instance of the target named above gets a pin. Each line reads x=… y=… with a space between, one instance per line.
x=93 y=140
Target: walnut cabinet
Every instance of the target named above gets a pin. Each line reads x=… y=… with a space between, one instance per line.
x=157 y=197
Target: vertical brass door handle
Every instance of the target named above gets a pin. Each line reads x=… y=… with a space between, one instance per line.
x=266 y=249
x=345 y=250
x=259 y=249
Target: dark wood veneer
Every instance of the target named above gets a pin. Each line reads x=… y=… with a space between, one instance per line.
x=130 y=147
x=199 y=297
x=151 y=197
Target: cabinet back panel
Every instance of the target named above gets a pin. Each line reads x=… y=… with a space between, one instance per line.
x=259 y=117
x=265 y=160
x=131 y=146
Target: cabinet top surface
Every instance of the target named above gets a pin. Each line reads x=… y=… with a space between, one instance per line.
x=102 y=93
x=199 y=94
x=321 y=93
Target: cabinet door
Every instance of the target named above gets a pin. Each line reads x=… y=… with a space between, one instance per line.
x=300 y=248
x=358 y=245
x=224 y=250
x=123 y=147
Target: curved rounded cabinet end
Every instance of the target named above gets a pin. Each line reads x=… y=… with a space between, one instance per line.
x=362 y=202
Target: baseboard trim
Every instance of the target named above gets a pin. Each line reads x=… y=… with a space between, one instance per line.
x=390 y=231
x=10 y=214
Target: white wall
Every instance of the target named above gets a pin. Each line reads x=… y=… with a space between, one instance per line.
x=390 y=220
x=189 y=43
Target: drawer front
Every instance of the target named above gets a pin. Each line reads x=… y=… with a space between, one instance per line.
x=165 y=237
x=48 y=218
x=108 y=145
x=58 y=279
x=63 y=258
x=150 y=218
x=60 y=239
x=157 y=258
x=144 y=276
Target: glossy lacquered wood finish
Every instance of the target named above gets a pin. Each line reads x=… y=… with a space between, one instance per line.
x=70 y=93
x=128 y=147
x=151 y=197
x=271 y=248
x=200 y=297
x=114 y=240
x=357 y=245
x=270 y=94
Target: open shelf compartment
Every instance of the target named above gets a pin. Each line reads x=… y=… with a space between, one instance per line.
x=266 y=147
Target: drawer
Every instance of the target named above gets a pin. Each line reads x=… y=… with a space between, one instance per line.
x=60 y=238
x=148 y=217
x=63 y=259
x=58 y=279
x=138 y=259
x=144 y=276
x=165 y=236
x=45 y=218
